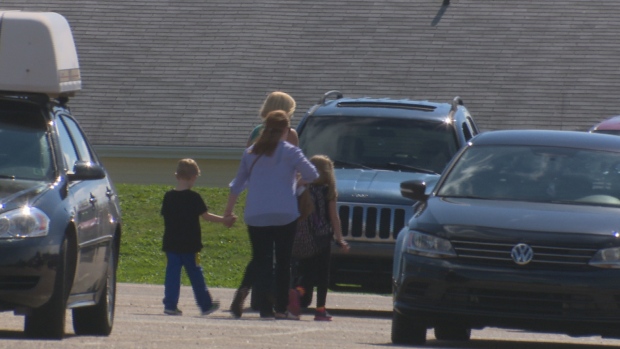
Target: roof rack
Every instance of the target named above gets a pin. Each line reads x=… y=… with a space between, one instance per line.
x=384 y=104
x=328 y=94
x=455 y=103
x=32 y=96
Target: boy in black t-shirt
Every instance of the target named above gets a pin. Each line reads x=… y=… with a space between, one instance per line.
x=182 y=209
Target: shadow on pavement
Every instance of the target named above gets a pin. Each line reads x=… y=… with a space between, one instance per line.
x=12 y=335
x=380 y=314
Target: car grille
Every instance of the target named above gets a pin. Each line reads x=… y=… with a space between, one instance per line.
x=366 y=222
x=496 y=253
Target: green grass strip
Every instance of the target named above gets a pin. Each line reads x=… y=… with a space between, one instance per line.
x=223 y=258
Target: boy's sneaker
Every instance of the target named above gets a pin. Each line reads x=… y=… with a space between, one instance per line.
x=286 y=316
x=176 y=311
x=322 y=316
x=215 y=306
x=294 y=302
x=236 y=307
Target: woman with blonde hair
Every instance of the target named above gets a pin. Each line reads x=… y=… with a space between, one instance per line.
x=268 y=170
x=276 y=100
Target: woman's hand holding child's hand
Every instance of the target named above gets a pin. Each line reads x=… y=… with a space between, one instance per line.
x=229 y=220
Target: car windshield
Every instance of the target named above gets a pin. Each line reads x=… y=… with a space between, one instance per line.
x=609 y=132
x=538 y=174
x=24 y=146
x=396 y=144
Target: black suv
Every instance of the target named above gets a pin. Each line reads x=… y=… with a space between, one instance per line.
x=376 y=144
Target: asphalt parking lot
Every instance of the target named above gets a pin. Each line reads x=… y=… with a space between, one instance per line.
x=360 y=321
x=140 y=323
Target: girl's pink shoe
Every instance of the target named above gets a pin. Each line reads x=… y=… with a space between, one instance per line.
x=322 y=316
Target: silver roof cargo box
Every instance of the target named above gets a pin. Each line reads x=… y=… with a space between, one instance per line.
x=37 y=54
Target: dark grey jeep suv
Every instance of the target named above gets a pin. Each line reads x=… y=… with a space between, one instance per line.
x=377 y=143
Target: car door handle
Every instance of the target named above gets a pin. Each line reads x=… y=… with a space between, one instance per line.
x=109 y=193
x=92 y=200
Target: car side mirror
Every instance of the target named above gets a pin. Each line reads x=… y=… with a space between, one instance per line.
x=84 y=170
x=414 y=189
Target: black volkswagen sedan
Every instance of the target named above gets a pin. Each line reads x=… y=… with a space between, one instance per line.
x=522 y=231
x=59 y=220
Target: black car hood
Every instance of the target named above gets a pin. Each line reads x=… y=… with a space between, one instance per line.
x=523 y=216
x=17 y=193
x=377 y=186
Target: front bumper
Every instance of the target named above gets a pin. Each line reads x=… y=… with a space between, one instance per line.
x=367 y=265
x=575 y=302
x=27 y=272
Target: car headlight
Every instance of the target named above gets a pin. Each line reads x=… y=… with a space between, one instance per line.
x=428 y=245
x=606 y=258
x=23 y=223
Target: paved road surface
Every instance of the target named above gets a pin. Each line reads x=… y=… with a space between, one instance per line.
x=360 y=321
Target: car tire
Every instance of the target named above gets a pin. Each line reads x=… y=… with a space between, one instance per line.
x=407 y=331
x=98 y=319
x=48 y=321
x=452 y=332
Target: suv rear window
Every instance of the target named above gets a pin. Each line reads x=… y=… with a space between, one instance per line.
x=380 y=143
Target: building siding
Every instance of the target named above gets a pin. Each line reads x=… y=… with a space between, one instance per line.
x=161 y=74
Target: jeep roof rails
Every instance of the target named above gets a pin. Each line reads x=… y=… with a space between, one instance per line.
x=455 y=103
x=328 y=94
x=387 y=104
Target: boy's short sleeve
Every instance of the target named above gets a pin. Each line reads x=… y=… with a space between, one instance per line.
x=163 y=205
x=201 y=206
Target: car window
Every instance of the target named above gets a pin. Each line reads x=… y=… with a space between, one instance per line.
x=469 y=129
x=609 y=132
x=532 y=173
x=25 y=151
x=84 y=152
x=472 y=125
x=381 y=143
x=69 y=152
x=466 y=131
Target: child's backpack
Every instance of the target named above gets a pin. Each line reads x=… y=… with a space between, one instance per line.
x=314 y=234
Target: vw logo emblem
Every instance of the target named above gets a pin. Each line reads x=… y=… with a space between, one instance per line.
x=522 y=254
